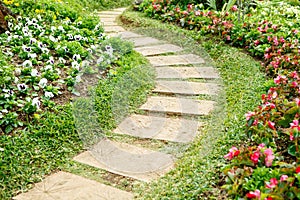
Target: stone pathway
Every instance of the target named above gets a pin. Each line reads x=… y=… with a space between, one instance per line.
x=169 y=116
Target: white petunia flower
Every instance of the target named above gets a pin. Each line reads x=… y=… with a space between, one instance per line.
x=32 y=55
x=76 y=57
x=34 y=72
x=53 y=28
x=32 y=40
x=48 y=67
x=16 y=80
x=21 y=87
x=61 y=28
x=51 y=61
x=43 y=82
x=70 y=36
x=4 y=111
x=27 y=63
x=77 y=37
x=45 y=50
x=36 y=102
x=18 y=71
x=75 y=65
x=49 y=94
x=61 y=60
x=52 y=38
x=26 y=49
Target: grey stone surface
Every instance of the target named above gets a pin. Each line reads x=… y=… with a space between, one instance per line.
x=107 y=20
x=174 y=105
x=66 y=186
x=186 y=72
x=162 y=128
x=116 y=29
x=187 y=59
x=143 y=41
x=127 y=160
x=185 y=87
x=158 y=49
x=110 y=23
x=110 y=12
x=102 y=16
x=125 y=35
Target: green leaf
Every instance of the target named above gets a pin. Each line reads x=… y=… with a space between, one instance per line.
x=292 y=150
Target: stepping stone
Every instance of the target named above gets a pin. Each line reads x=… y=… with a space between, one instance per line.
x=158 y=49
x=119 y=9
x=66 y=186
x=104 y=16
x=109 y=20
x=127 y=160
x=143 y=41
x=181 y=106
x=112 y=12
x=186 y=88
x=161 y=128
x=188 y=59
x=113 y=29
x=110 y=24
x=186 y=72
x=125 y=35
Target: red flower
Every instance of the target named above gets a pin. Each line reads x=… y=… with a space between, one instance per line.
x=232 y=153
x=269 y=198
x=252 y=195
x=254 y=157
x=298 y=170
x=272 y=184
x=271 y=125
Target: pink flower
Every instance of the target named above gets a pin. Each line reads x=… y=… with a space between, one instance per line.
x=295 y=124
x=260 y=146
x=269 y=157
x=282 y=40
x=256 y=42
x=294 y=84
x=268 y=56
x=269 y=38
x=283 y=178
x=249 y=115
x=297 y=101
x=228 y=37
x=271 y=125
x=234 y=8
x=197 y=12
x=275 y=40
x=232 y=153
x=295 y=31
x=252 y=195
x=185 y=12
x=294 y=75
x=254 y=157
x=272 y=184
x=190 y=7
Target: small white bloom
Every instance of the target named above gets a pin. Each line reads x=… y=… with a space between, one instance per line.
x=100 y=60
x=32 y=55
x=18 y=71
x=40 y=45
x=53 y=28
x=51 y=61
x=49 y=94
x=75 y=65
x=45 y=50
x=34 y=20
x=21 y=87
x=48 y=67
x=32 y=40
x=27 y=63
x=16 y=80
x=61 y=28
x=70 y=36
x=78 y=79
x=76 y=57
x=79 y=23
x=34 y=72
x=19 y=18
x=26 y=49
x=36 y=102
x=52 y=38
x=7 y=33
x=43 y=82
x=61 y=60
x=4 y=111
x=77 y=37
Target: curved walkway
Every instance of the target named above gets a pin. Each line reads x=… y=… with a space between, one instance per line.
x=173 y=95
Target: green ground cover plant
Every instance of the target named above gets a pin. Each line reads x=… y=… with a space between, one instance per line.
x=270 y=32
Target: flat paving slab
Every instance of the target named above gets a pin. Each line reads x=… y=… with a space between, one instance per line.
x=107 y=15
x=143 y=41
x=186 y=88
x=125 y=35
x=175 y=105
x=127 y=160
x=158 y=49
x=116 y=29
x=187 y=59
x=110 y=12
x=186 y=72
x=66 y=186
x=161 y=128
x=107 y=20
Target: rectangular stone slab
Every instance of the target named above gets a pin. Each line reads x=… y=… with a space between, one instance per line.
x=187 y=59
x=66 y=186
x=110 y=12
x=185 y=87
x=108 y=29
x=175 y=105
x=186 y=72
x=143 y=41
x=125 y=35
x=161 y=128
x=158 y=49
x=107 y=16
x=127 y=160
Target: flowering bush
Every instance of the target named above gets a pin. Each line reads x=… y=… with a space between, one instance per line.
x=43 y=59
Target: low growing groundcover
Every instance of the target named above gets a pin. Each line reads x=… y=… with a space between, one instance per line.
x=267 y=167
x=46 y=52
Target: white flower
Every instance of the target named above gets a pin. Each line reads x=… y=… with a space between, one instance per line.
x=45 y=50
x=79 y=23
x=78 y=79
x=16 y=80
x=51 y=61
x=40 y=45
x=34 y=20
x=36 y=102
x=19 y=18
x=70 y=36
x=76 y=57
x=21 y=87
x=61 y=28
x=75 y=65
x=77 y=37
x=34 y=72
x=32 y=55
x=53 y=28
x=8 y=94
x=61 y=60
x=27 y=63
x=48 y=67
x=26 y=49
x=7 y=33
x=49 y=94
x=43 y=82
x=18 y=71
x=32 y=40
x=52 y=38
x=100 y=60
x=4 y=111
